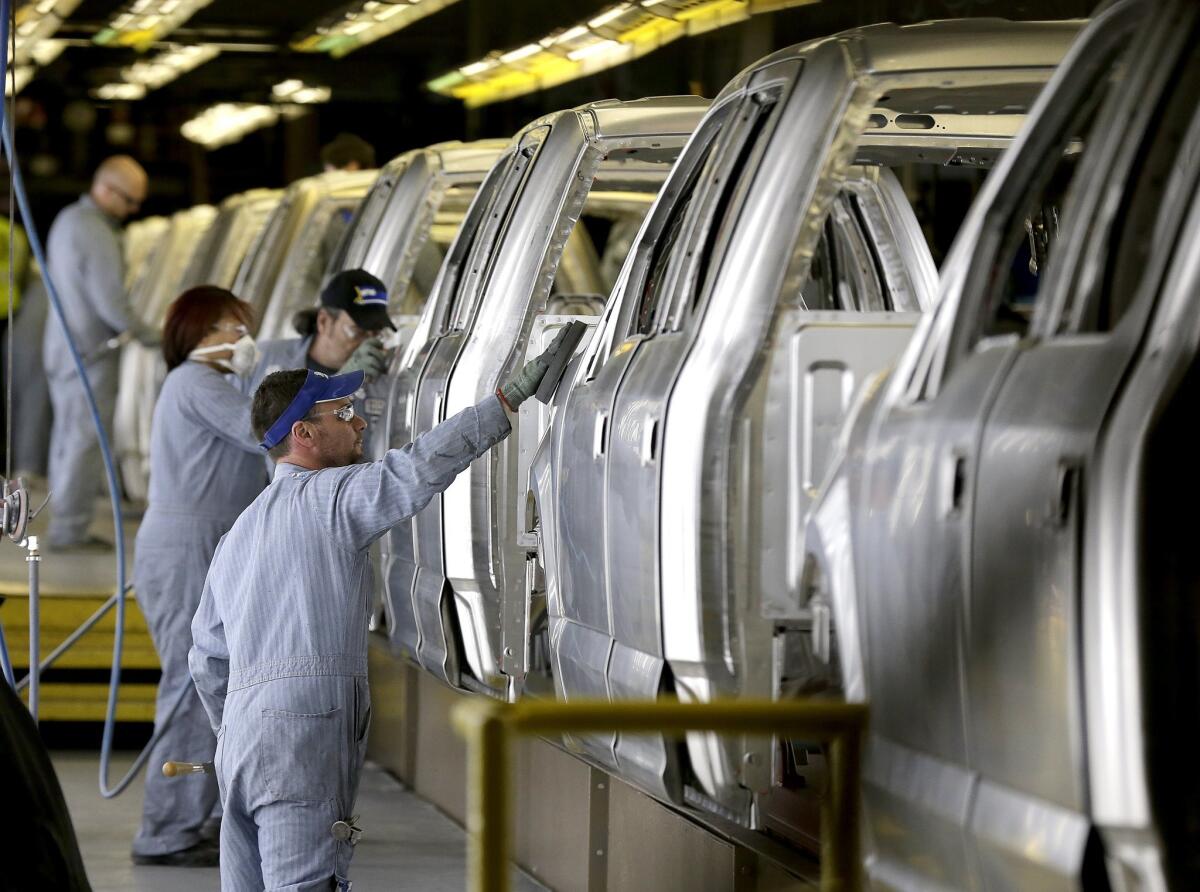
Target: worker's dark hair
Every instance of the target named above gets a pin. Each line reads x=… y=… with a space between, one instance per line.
x=192 y=316
x=305 y=322
x=273 y=396
x=347 y=148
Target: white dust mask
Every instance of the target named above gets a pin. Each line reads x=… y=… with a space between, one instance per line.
x=243 y=357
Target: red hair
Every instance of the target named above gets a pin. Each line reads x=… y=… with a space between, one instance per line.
x=192 y=316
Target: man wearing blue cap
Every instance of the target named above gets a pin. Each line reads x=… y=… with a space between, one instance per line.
x=279 y=652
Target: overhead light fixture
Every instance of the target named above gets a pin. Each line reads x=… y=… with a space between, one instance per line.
x=143 y=22
x=161 y=69
x=363 y=22
x=46 y=51
x=524 y=52
x=120 y=91
x=227 y=122
x=295 y=90
x=609 y=15
x=619 y=33
x=36 y=23
x=18 y=77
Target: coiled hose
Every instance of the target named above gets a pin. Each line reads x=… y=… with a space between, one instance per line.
x=110 y=473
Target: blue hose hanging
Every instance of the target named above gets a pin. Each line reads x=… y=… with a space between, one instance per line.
x=110 y=473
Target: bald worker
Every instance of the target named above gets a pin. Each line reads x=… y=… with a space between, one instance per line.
x=87 y=265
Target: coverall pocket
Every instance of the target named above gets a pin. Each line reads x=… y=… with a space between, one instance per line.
x=300 y=753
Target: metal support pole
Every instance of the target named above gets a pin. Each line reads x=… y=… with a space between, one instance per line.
x=487 y=732
x=34 y=559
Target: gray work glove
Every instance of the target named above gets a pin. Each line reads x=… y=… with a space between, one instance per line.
x=525 y=383
x=370 y=358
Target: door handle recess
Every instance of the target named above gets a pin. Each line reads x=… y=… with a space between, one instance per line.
x=650 y=441
x=955 y=484
x=1067 y=491
x=600 y=436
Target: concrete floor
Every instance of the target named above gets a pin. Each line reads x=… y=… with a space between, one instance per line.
x=407 y=844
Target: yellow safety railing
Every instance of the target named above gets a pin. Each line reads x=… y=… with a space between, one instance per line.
x=489 y=727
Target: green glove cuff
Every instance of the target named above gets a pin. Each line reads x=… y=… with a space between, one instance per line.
x=525 y=384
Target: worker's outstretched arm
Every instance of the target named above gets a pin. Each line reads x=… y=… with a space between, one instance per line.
x=374 y=497
x=371 y=499
x=208 y=659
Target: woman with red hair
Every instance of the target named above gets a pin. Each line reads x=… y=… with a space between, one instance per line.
x=205 y=467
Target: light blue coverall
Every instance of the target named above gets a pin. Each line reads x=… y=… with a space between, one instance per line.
x=87 y=266
x=279 y=651
x=205 y=468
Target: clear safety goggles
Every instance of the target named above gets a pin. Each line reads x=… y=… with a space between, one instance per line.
x=346 y=413
x=237 y=328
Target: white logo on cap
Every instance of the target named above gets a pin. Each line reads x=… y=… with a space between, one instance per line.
x=368 y=295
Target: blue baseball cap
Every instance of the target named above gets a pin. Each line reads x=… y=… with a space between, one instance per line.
x=317 y=388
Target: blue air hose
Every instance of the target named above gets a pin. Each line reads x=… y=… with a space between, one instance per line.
x=5 y=662
x=110 y=472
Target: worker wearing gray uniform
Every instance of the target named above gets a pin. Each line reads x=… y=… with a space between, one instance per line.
x=205 y=468
x=341 y=336
x=279 y=651
x=87 y=266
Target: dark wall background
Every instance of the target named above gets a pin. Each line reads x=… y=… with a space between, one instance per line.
x=378 y=91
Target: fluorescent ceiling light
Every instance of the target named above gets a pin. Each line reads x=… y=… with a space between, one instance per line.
x=311 y=95
x=364 y=22
x=159 y=70
x=227 y=122
x=122 y=91
x=143 y=22
x=295 y=90
x=46 y=51
x=619 y=33
x=591 y=49
x=477 y=67
x=524 y=52
x=609 y=14
x=35 y=24
x=571 y=34
x=18 y=77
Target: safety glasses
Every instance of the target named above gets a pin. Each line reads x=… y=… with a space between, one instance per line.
x=237 y=328
x=346 y=413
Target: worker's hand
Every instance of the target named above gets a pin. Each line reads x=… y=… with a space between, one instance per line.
x=370 y=358
x=525 y=383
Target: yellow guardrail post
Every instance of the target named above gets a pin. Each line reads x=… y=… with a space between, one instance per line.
x=490 y=725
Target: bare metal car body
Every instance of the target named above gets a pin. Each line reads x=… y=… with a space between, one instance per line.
x=997 y=542
x=142 y=369
x=205 y=254
x=285 y=267
x=401 y=232
x=522 y=253
x=139 y=238
x=781 y=265
x=224 y=245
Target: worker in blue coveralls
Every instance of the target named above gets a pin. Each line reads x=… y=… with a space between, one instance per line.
x=205 y=468
x=279 y=653
x=87 y=265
